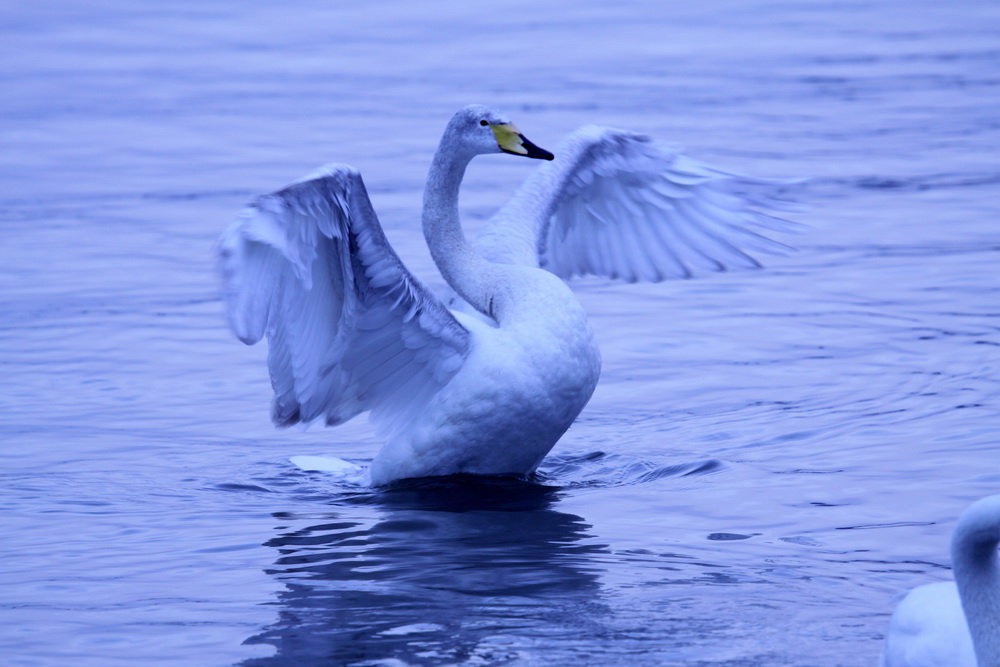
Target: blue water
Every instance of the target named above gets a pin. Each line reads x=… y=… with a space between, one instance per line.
x=771 y=456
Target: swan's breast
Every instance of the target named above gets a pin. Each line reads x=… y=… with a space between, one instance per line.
x=520 y=388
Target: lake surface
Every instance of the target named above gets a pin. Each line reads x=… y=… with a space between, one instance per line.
x=771 y=456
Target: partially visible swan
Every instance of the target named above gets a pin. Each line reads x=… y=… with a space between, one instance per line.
x=953 y=624
x=490 y=387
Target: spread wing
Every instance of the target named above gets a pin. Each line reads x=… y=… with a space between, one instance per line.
x=618 y=204
x=349 y=329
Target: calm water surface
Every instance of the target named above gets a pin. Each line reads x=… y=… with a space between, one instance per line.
x=770 y=458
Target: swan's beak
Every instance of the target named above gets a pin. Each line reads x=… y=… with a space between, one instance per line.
x=510 y=140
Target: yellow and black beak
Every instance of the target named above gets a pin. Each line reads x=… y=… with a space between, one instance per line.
x=510 y=140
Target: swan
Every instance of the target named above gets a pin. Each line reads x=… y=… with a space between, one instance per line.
x=955 y=624
x=489 y=386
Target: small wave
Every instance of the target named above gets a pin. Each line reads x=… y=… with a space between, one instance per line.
x=895 y=524
x=241 y=488
x=730 y=537
x=913 y=183
x=601 y=470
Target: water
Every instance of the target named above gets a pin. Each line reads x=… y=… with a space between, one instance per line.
x=770 y=458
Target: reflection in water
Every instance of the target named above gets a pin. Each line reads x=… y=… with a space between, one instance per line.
x=434 y=572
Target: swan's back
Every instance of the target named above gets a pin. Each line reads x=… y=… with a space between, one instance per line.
x=928 y=629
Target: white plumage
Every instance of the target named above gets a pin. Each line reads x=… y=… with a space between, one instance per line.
x=951 y=624
x=619 y=204
x=489 y=390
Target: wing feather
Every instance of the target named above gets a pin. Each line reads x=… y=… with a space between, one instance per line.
x=619 y=204
x=349 y=328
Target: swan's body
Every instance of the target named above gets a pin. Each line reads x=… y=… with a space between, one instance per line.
x=952 y=624
x=491 y=387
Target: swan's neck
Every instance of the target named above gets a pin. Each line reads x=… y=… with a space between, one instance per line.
x=977 y=573
x=475 y=279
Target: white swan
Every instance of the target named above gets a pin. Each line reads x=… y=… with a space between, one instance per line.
x=955 y=624
x=488 y=391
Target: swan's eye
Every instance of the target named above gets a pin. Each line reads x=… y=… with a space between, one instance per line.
x=483 y=123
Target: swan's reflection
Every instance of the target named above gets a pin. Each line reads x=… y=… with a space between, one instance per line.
x=434 y=572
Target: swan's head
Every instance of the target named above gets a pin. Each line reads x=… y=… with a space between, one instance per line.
x=485 y=130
